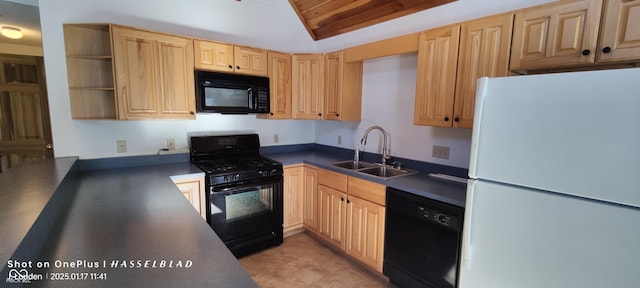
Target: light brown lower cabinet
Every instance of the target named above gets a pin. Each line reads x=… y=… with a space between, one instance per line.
x=333 y=210
x=192 y=187
x=293 y=197
x=352 y=219
x=300 y=198
x=365 y=228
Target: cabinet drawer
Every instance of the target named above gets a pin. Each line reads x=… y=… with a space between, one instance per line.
x=332 y=179
x=367 y=190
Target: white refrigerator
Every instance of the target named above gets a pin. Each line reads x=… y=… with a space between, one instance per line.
x=554 y=194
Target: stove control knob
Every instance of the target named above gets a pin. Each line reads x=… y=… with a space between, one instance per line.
x=236 y=177
x=225 y=179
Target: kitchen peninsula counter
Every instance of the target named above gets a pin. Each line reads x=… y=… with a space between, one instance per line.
x=121 y=221
x=124 y=227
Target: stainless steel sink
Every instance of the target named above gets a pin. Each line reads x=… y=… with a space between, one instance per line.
x=374 y=169
x=352 y=165
x=386 y=171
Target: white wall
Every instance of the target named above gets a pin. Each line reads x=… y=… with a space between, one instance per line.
x=261 y=23
x=388 y=101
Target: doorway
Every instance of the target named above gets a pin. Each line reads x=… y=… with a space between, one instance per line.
x=25 y=127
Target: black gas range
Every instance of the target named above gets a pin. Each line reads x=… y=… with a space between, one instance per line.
x=244 y=191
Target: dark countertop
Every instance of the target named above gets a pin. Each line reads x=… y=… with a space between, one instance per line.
x=419 y=184
x=57 y=213
x=116 y=216
x=25 y=190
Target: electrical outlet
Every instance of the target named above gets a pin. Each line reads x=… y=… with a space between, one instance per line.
x=441 y=152
x=171 y=144
x=121 y=146
x=276 y=138
x=339 y=139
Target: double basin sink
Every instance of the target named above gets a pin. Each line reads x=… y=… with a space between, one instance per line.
x=374 y=169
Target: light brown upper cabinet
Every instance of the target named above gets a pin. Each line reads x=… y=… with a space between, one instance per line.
x=224 y=57
x=484 y=52
x=307 y=86
x=450 y=61
x=149 y=75
x=565 y=34
x=154 y=74
x=436 y=79
x=343 y=88
x=620 y=32
x=90 y=71
x=279 y=86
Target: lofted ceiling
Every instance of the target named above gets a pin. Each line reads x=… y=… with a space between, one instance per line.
x=327 y=18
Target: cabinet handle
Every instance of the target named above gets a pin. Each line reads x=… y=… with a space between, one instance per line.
x=341 y=199
x=191 y=113
x=457 y=119
x=348 y=201
x=230 y=66
x=586 y=52
x=446 y=119
x=237 y=67
x=606 y=50
x=271 y=113
x=337 y=114
x=319 y=114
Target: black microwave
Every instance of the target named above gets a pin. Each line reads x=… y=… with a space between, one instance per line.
x=231 y=93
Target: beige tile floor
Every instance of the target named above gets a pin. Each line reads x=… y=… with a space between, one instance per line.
x=302 y=261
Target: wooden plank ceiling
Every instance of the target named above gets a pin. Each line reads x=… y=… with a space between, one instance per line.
x=326 y=18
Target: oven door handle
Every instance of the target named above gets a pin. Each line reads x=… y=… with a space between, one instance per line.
x=225 y=188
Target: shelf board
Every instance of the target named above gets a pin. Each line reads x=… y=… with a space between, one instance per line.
x=94 y=88
x=90 y=57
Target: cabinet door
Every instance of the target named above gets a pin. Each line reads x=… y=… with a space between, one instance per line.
x=279 y=86
x=333 y=79
x=175 y=75
x=310 y=209
x=308 y=86
x=365 y=231
x=484 y=52
x=343 y=88
x=154 y=75
x=135 y=68
x=213 y=56
x=293 y=196
x=562 y=33
x=250 y=60
x=436 y=80
x=193 y=189
x=332 y=215
x=620 y=32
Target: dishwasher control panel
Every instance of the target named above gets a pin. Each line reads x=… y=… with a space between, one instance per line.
x=437 y=217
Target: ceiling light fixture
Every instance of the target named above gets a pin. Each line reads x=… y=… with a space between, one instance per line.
x=11 y=32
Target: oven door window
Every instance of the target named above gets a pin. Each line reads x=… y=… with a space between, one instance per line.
x=246 y=210
x=226 y=97
x=249 y=203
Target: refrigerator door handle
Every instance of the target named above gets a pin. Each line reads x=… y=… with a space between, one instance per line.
x=467 y=231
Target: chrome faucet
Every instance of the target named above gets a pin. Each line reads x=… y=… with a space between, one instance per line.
x=385 y=151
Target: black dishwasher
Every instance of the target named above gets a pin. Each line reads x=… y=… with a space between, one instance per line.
x=422 y=241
